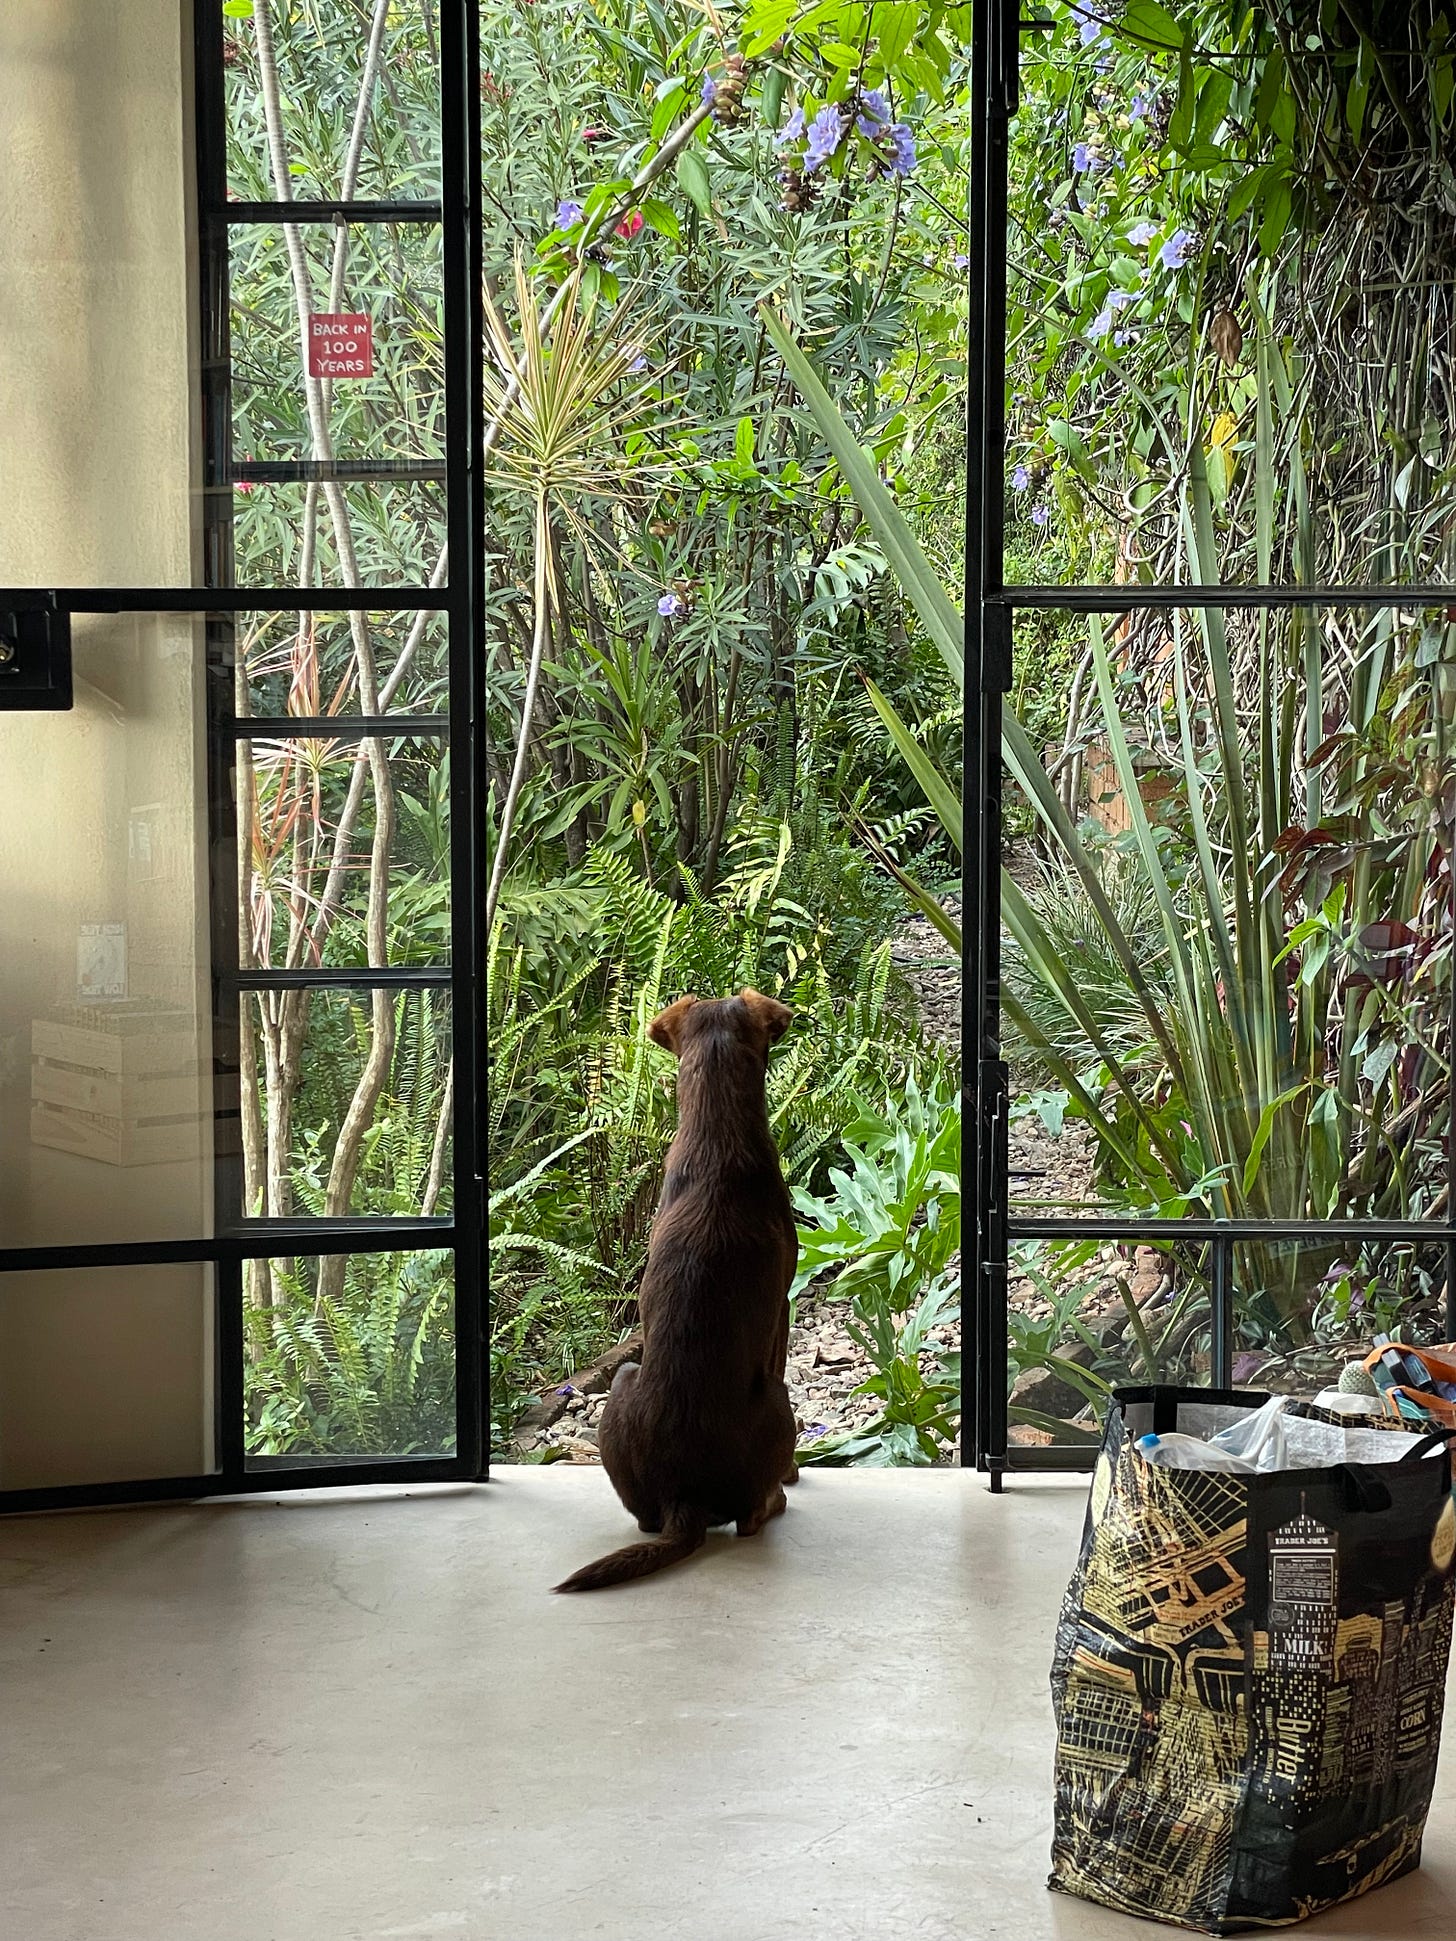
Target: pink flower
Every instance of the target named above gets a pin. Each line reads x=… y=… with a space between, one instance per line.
x=629 y=226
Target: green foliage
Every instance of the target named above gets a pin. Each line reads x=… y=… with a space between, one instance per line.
x=703 y=793
x=888 y=1231
x=371 y=1373
x=1247 y=1065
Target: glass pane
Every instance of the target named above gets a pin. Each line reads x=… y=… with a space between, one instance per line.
x=350 y=1356
x=1087 y=1316
x=1221 y=291
x=320 y=60
x=98 y=269
x=373 y=292
x=309 y=663
x=1226 y=914
x=105 y=1375
x=1304 y=1308
x=105 y=1053
x=326 y=826
x=346 y=1103
x=286 y=535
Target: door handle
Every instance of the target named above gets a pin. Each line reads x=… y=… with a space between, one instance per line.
x=35 y=658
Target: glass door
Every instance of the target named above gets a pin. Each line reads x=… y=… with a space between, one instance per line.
x=1212 y=736
x=241 y=1215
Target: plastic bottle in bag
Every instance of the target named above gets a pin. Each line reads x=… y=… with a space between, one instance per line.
x=1175 y=1451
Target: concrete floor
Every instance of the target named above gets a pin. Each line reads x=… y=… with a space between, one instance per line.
x=362 y=1716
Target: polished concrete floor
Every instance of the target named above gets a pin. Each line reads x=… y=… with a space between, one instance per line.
x=362 y=1716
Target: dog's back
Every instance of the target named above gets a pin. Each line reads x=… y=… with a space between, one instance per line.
x=702 y=1432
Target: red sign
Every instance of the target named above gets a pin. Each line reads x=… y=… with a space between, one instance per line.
x=340 y=346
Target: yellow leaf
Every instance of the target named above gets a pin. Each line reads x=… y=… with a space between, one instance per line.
x=639 y=814
x=1221 y=441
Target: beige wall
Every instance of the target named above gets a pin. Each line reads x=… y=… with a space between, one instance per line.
x=102 y=1374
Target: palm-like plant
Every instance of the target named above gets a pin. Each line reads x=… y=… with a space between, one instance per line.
x=1295 y=1066
x=558 y=398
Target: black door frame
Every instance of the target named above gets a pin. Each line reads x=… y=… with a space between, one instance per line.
x=236 y=1238
x=991 y=608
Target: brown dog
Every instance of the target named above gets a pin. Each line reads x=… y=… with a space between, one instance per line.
x=701 y=1432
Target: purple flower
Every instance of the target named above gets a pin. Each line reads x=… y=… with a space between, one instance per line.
x=568 y=214
x=1120 y=299
x=1040 y=516
x=902 y=142
x=1020 y=479
x=710 y=90
x=1174 y=253
x=792 y=130
x=826 y=132
x=874 y=114
x=566 y=1389
x=1121 y=337
x=638 y=365
x=961 y=262
x=1089 y=30
x=1143 y=233
x=1083 y=160
x=669 y=606
x=1100 y=324
x=1138 y=107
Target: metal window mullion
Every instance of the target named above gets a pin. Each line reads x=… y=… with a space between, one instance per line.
x=220 y=647
x=1380 y=1232
x=1222 y=1322
x=338 y=471
x=243 y=1240
x=328 y=727
x=1133 y=597
x=274 y=1475
x=404 y=977
x=463 y=266
x=211 y=601
x=324 y=209
x=994 y=57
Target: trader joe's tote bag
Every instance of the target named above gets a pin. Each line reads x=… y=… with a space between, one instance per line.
x=1250 y=1669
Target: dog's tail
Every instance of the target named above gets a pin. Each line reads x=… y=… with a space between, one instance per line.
x=684 y=1531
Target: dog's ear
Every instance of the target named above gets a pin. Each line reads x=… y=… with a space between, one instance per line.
x=774 y=1017
x=666 y=1028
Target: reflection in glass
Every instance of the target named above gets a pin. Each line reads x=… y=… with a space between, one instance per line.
x=105 y=1059
x=106 y=1375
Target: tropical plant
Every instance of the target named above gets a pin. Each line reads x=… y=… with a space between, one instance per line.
x=1293 y=1068
x=886 y=1238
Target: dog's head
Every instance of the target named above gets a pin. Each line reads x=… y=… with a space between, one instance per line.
x=757 y=1021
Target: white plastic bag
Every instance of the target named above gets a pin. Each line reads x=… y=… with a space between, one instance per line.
x=1253 y=1445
